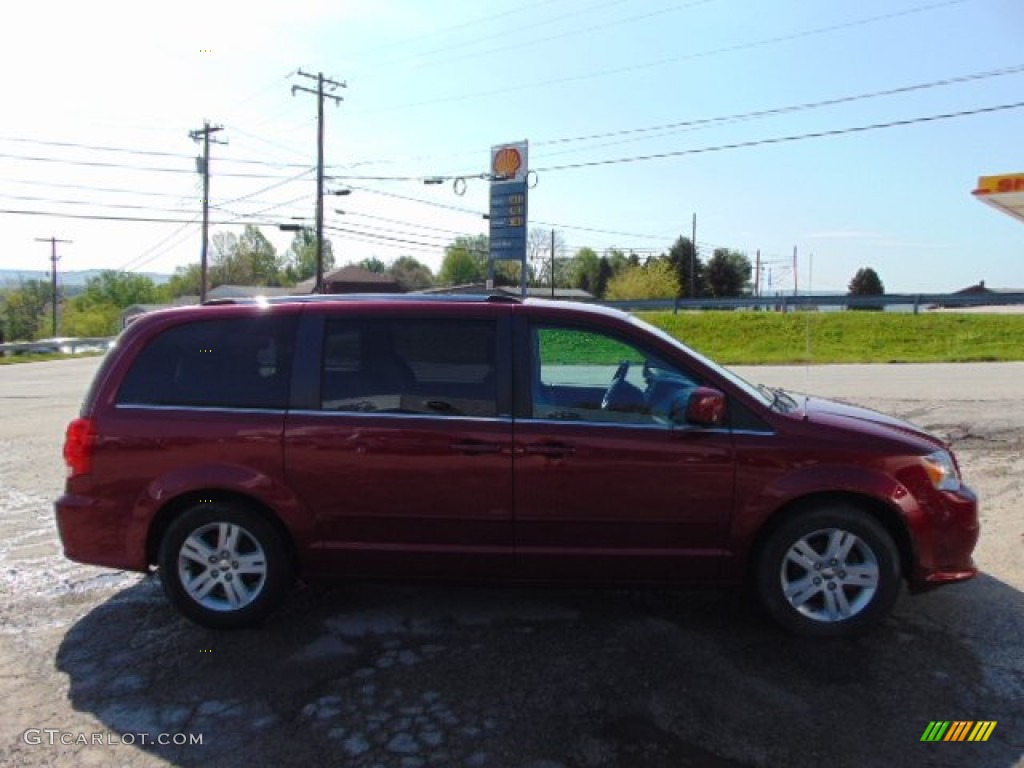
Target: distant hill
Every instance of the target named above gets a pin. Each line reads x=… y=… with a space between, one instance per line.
x=10 y=278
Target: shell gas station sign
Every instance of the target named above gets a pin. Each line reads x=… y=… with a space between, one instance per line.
x=1005 y=193
x=509 y=169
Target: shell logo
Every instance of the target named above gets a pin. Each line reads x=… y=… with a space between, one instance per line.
x=507 y=162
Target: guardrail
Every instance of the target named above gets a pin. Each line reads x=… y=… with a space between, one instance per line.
x=62 y=345
x=915 y=301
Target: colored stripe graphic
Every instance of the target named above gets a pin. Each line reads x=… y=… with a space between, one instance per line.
x=958 y=730
x=982 y=730
x=935 y=730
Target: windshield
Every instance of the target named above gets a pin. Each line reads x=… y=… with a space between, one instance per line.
x=770 y=398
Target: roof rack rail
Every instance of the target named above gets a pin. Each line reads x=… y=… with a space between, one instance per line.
x=459 y=298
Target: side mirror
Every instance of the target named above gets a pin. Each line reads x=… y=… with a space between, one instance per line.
x=705 y=407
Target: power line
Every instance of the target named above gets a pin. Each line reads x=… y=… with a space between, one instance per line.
x=1016 y=69
x=707 y=121
x=503 y=33
x=114 y=206
x=255 y=214
x=510 y=88
x=140 y=260
x=123 y=166
x=756 y=114
x=138 y=152
x=784 y=139
x=135 y=219
x=481 y=213
x=268 y=142
x=405 y=222
x=92 y=188
x=382 y=241
x=439 y=238
x=576 y=30
x=281 y=183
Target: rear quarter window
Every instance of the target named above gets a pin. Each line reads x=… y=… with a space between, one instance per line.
x=241 y=362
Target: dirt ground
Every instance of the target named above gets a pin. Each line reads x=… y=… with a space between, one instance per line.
x=96 y=668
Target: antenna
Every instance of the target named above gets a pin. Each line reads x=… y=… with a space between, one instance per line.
x=809 y=352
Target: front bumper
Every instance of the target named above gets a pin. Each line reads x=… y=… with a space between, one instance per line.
x=944 y=539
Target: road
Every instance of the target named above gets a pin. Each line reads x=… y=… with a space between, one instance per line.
x=359 y=675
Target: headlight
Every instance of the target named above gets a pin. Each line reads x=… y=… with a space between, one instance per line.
x=942 y=471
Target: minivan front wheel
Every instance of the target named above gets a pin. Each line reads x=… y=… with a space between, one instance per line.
x=832 y=570
x=223 y=566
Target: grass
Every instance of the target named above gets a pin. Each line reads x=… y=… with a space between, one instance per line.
x=752 y=338
x=773 y=338
x=38 y=357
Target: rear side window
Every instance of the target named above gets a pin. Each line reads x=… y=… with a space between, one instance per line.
x=240 y=362
x=432 y=367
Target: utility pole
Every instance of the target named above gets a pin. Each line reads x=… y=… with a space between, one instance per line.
x=53 y=273
x=693 y=258
x=757 y=275
x=552 y=263
x=796 y=277
x=320 y=95
x=203 y=166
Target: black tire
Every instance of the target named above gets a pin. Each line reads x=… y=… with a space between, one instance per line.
x=830 y=571
x=223 y=565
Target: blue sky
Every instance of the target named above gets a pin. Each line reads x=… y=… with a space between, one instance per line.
x=431 y=86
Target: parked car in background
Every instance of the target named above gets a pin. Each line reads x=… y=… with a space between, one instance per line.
x=237 y=447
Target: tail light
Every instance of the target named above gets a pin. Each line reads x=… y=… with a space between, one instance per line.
x=78 y=446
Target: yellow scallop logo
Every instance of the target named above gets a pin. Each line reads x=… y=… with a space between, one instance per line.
x=507 y=162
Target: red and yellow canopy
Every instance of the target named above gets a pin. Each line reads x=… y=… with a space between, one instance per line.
x=1004 y=193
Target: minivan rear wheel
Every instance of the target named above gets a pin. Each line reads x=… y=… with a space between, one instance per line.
x=831 y=570
x=223 y=566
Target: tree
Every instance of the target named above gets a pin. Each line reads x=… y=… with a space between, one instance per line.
x=184 y=282
x=83 y=319
x=685 y=261
x=411 y=274
x=300 y=258
x=97 y=310
x=26 y=310
x=616 y=259
x=585 y=270
x=373 y=264
x=656 y=280
x=728 y=273
x=866 y=283
x=538 y=254
x=225 y=266
x=259 y=256
x=118 y=289
x=604 y=274
x=465 y=261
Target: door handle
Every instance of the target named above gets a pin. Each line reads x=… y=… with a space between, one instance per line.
x=476 y=448
x=552 y=450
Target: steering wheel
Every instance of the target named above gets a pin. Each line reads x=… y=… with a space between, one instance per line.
x=616 y=383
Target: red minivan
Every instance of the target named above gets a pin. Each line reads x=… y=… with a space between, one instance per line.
x=240 y=445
